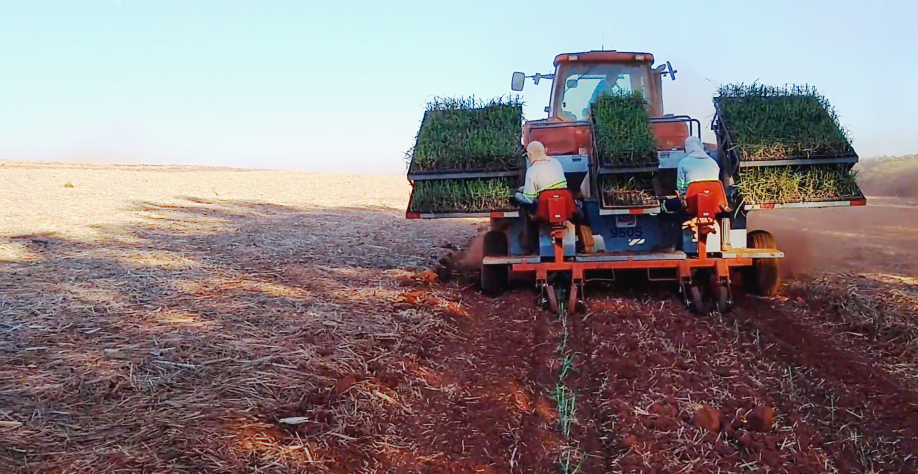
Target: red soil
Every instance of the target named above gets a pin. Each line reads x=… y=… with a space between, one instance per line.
x=763 y=389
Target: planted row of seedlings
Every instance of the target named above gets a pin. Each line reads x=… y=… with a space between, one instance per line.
x=570 y=459
x=621 y=131
x=463 y=195
x=778 y=123
x=795 y=184
x=619 y=190
x=467 y=135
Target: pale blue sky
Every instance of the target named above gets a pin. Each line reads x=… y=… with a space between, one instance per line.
x=341 y=86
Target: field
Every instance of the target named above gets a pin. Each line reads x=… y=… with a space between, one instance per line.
x=189 y=320
x=889 y=176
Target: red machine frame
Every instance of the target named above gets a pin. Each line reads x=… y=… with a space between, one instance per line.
x=703 y=202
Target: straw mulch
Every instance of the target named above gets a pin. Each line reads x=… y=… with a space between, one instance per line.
x=212 y=335
x=163 y=333
x=882 y=306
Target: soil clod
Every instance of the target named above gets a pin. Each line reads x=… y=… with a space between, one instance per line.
x=707 y=418
x=761 y=419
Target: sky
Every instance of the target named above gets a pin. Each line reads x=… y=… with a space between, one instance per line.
x=342 y=85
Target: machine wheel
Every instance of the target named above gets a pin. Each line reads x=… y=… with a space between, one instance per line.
x=763 y=277
x=552 y=299
x=697 y=303
x=494 y=277
x=722 y=299
x=691 y=296
x=573 y=300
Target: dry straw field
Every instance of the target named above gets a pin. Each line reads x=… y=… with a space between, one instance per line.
x=191 y=320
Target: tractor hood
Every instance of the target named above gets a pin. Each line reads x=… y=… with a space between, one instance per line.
x=559 y=137
x=570 y=142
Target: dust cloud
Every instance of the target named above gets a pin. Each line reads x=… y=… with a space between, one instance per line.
x=798 y=247
x=890 y=176
x=471 y=257
x=463 y=264
x=879 y=237
x=903 y=184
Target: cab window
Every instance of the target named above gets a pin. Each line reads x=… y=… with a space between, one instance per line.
x=582 y=83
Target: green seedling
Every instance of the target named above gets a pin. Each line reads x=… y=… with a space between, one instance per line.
x=621 y=130
x=774 y=123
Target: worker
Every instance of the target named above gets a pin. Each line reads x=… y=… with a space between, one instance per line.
x=606 y=85
x=544 y=173
x=696 y=166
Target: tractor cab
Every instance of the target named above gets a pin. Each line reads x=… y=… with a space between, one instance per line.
x=581 y=78
x=577 y=81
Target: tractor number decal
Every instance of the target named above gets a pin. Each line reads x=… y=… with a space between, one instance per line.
x=627 y=233
x=625 y=221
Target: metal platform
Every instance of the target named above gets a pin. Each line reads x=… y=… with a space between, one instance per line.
x=632 y=257
x=622 y=170
x=651 y=210
x=511 y=260
x=460 y=215
x=431 y=175
x=752 y=253
x=803 y=205
x=803 y=161
x=637 y=256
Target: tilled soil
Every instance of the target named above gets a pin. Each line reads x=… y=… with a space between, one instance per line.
x=867 y=415
x=486 y=408
x=761 y=389
x=481 y=403
x=676 y=392
x=170 y=329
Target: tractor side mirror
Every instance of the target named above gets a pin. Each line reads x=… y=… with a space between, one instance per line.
x=517 y=82
x=671 y=71
x=572 y=83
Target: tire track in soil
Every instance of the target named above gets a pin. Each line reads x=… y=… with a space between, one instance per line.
x=586 y=382
x=645 y=369
x=664 y=390
x=845 y=385
x=652 y=354
x=497 y=417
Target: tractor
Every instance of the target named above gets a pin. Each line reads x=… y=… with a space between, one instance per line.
x=701 y=249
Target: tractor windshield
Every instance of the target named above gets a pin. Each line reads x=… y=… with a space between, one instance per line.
x=581 y=83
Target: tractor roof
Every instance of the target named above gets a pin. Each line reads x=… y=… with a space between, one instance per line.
x=604 y=57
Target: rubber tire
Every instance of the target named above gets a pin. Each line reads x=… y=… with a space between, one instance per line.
x=763 y=278
x=494 y=278
x=722 y=299
x=697 y=304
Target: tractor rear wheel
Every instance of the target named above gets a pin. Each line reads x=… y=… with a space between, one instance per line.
x=494 y=277
x=763 y=277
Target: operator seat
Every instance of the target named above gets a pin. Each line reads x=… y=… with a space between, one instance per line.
x=556 y=207
x=704 y=202
x=706 y=199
